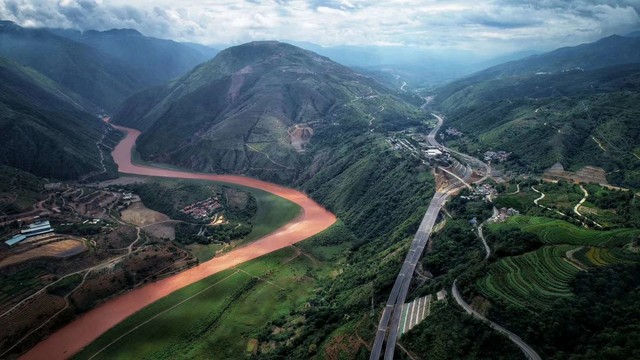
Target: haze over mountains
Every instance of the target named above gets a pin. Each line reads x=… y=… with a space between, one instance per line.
x=105 y=67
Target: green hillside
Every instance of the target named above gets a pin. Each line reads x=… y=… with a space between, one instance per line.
x=575 y=118
x=235 y=113
x=42 y=130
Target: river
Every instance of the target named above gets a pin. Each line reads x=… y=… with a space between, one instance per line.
x=70 y=339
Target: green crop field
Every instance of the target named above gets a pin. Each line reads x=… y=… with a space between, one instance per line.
x=595 y=256
x=561 y=232
x=221 y=316
x=533 y=280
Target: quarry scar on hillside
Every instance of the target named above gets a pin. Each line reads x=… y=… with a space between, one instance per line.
x=74 y=336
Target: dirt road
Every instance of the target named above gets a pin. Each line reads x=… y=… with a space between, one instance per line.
x=82 y=331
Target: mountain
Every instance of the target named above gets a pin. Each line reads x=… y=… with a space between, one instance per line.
x=43 y=130
x=156 y=60
x=567 y=106
x=609 y=51
x=262 y=109
x=100 y=78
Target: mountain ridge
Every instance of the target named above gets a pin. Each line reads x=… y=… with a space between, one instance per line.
x=235 y=112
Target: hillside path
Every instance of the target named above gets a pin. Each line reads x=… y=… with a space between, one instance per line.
x=526 y=349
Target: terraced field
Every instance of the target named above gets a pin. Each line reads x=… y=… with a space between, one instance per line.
x=533 y=280
x=554 y=232
x=594 y=256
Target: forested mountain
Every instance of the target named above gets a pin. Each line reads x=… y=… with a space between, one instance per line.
x=42 y=129
x=574 y=106
x=157 y=60
x=259 y=106
x=103 y=67
x=98 y=77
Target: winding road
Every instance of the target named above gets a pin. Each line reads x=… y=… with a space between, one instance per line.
x=526 y=349
x=82 y=331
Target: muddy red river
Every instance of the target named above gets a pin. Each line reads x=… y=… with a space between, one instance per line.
x=73 y=337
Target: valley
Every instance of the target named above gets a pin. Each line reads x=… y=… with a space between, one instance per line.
x=74 y=336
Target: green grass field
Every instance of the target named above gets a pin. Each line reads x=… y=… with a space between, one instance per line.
x=522 y=201
x=552 y=232
x=533 y=280
x=221 y=316
x=272 y=213
x=562 y=196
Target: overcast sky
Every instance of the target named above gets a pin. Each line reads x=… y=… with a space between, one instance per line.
x=479 y=26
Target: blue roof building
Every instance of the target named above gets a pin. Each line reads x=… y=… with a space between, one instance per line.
x=16 y=239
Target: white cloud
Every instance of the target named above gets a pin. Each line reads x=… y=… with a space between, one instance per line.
x=490 y=26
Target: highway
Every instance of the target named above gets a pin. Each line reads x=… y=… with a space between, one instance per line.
x=390 y=320
x=389 y=324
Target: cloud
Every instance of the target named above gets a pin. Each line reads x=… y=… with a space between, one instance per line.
x=481 y=27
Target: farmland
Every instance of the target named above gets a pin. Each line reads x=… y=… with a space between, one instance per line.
x=552 y=232
x=225 y=315
x=533 y=280
x=537 y=279
x=594 y=256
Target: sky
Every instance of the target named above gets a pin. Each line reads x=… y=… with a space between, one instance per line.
x=475 y=26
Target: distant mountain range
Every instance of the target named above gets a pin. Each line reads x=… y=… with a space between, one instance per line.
x=415 y=68
x=103 y=67
x=157 y=60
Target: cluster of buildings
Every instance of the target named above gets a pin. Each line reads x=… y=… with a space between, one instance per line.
x=486 y=189
x=202 y=209
x=504 y=214
x=422 y=151
x=35 y=229
x=453 y=132
x=496 y=156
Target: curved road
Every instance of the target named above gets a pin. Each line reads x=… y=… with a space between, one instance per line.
x=431 y=139
x=526 y=349
x=82 y=331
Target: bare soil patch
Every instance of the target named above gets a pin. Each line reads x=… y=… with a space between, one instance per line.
x=588 y=174
x=139 y=215
x=300 y=136
x=59 y=249
x=162 y=230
